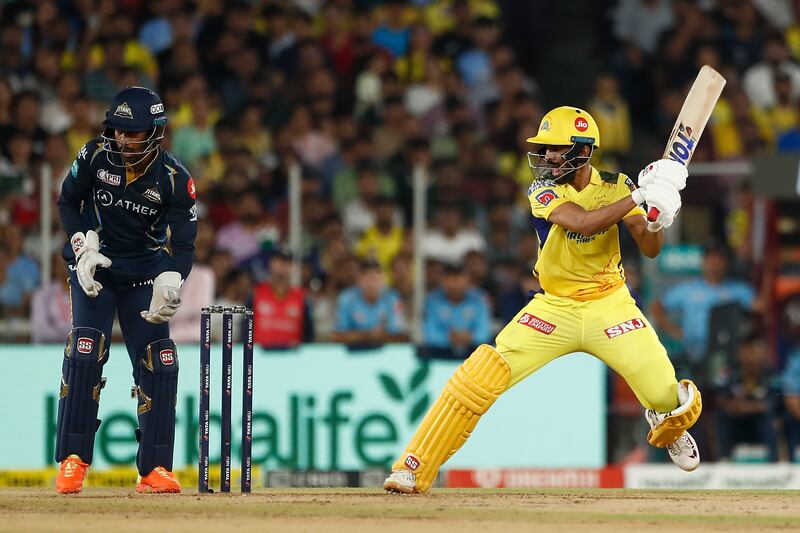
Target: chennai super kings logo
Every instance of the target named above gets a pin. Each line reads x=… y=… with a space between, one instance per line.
x=683 y=145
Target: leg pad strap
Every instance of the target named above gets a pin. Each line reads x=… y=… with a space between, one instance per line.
x=668 y=427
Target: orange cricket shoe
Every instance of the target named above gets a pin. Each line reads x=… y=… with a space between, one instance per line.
x=160 y=480
x=70 y=475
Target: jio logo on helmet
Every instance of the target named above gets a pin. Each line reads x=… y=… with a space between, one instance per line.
x=104 y=197
x=581 y=124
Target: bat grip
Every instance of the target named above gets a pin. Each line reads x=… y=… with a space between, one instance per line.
x=652 y=214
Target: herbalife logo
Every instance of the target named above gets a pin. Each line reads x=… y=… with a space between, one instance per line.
x=414 y=394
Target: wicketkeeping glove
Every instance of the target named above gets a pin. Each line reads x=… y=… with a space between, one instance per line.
x=664 y=170
x=88 y=258
x=166 y=300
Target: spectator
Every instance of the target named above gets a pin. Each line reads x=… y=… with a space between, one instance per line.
x=746 y=412
x=457 y=316
x=613 y=118
x=693 y=300
x=369 y=314
x=449 y=240
x=384 y=239
x=193 y=143
x=759 y=79
x=358 y=214
x=791 y=376
x=253 y=229
x=21 y=274
x=282 y=314
x=393 y=35
x=51 y=316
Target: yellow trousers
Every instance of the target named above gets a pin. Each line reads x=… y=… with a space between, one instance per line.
x=612 y=328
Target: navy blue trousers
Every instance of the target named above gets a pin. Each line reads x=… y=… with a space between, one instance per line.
x=125 y=300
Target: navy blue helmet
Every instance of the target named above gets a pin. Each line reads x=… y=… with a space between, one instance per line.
x=134 y=109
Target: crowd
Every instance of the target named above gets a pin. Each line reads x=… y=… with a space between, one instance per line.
x=359 y=93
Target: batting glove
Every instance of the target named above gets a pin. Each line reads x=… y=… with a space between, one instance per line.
x=88 y=258
x=165 y=301
x=664 y=170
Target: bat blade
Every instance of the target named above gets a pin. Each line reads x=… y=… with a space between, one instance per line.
x=692 y=119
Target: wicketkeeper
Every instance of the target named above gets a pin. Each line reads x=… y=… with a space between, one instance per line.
x=122 y=193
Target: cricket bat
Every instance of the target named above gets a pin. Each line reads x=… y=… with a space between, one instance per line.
x=692 y=119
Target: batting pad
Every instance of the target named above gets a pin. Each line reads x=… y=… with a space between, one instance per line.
x=468 y=394
x=79 y=394
x=679 y=419
x=157 y=392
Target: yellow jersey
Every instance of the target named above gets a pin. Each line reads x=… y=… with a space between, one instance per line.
x=571 y=264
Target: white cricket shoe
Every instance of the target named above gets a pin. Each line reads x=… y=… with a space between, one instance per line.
x=401 y=481
x=684 y=452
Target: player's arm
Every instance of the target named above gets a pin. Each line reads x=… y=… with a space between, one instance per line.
x=76 y=188
x=182 y=220
x=649 y=242
x=573 y=217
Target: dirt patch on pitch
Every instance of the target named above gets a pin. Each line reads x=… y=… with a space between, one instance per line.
x=346 y=511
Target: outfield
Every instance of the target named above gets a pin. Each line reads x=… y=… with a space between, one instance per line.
x=348 y=510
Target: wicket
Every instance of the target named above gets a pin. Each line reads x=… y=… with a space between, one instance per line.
x=227 y=393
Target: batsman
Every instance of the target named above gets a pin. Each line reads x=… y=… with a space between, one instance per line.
x=585 y=305
x=128 y=208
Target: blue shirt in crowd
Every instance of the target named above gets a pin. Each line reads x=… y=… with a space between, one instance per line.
x=693 y=300
x=443 y=315
x=394 y=40
x=791 y=374
x=355 y=313
x=22 y=277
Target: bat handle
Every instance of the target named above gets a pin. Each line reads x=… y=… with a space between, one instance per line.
x=652 y=214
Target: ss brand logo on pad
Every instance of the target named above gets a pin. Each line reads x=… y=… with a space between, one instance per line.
x=412 y=462
x=85 y=345
x=167 y=356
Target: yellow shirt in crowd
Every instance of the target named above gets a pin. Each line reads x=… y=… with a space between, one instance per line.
x=381 y=247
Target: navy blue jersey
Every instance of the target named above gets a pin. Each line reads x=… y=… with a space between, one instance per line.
x=131 y=219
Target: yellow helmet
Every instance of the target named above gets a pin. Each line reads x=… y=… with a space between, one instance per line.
x=567 y=125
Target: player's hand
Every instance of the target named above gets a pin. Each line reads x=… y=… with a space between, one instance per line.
x=166 y=299
x=664 y=170
x=666 y=199
x=88 y=258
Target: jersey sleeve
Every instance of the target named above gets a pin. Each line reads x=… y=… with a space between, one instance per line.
x=544 y=196
x=625 y=187
x=76 y=188
x=182 y=220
